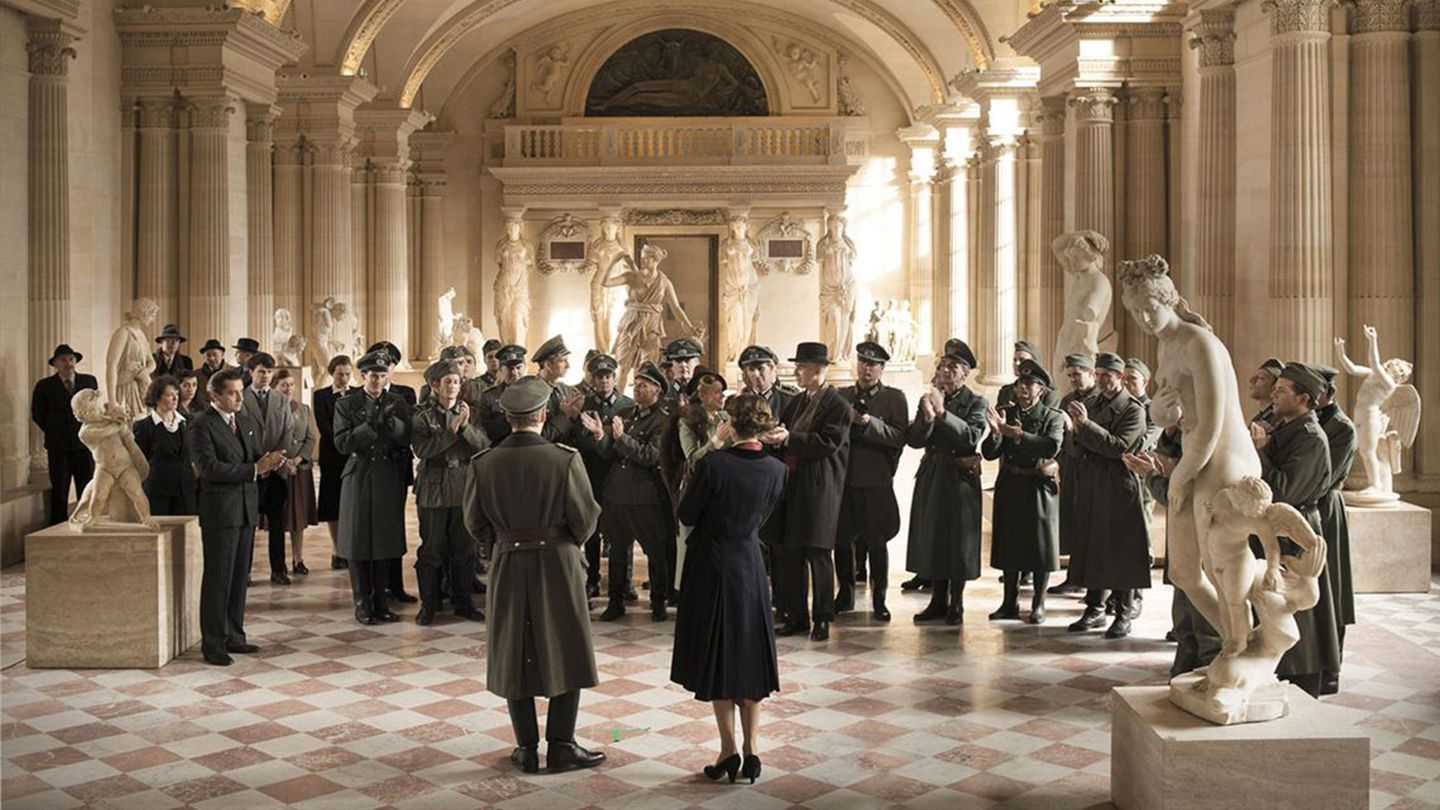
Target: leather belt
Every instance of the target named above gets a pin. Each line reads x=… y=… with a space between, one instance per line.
x=1047 y=470
x=970 y=463
x=368 y=457
x=446 y=463
x=511 y=539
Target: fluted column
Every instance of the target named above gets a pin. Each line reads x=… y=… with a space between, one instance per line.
x=923 y=140
x=999 y=281
x=390 y=288
x=289 y=256
x=955 y=187
x=1030 y=179
x=260 y=217
x=974 y=227
x=332 y=273
x=209 y=218
x=1426 y=116
x=1301 y=240
x=1095 y=172
x=432 y=255
x=1214 y=271
x=1147 y=212
x=986 y=305
x=1382 y=273
x=156 y=275
x=1052 y=222
x=362 y=237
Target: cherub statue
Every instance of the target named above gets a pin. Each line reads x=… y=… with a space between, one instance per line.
x=105 y=429
x=284 y=328
x=1082 y=254
x=1387 y=416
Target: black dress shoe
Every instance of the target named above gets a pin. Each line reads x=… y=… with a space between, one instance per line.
x=219 y=659
x=955 y=615
x=659 y=613
x=1005 y=612
x=402 y=596
x=932 y=612
x=915 y=583
x=426 y=616
x=470 y=613
x=338 y=563
x=613 y=611
x=300 y=568
x=568 y=756
x=243 y=649
x=793 y=628
x=279 y=578
x=386 y=615
x=880 y=613
x=526 y=758
x=1091 y=619
x=364 y=614
x=845 y=603
x=729 y=766
x=820 y=632
x=1037 y=615
x=1064 y=588
x=1120 y=628
x=631 y=595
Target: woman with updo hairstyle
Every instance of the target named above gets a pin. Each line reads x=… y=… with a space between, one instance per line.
x=162 y=436
x=724 y=637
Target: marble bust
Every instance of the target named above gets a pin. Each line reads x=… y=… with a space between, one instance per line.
x=120 y=466
x=1387 y=417
x=129 y=362
x=1087 y=300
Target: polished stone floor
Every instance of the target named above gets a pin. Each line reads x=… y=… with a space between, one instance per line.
x=334 y=715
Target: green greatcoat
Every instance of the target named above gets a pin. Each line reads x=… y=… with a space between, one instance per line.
x=1069 y=458
x=375 y=433
x=1296 y=465
x=945 y=511
x=1340 y=433
x=536 y=497
x=1025 y=529
x=1111 y=549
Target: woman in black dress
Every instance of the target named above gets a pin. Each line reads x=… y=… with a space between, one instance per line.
x=161 y=436
x=724 y=639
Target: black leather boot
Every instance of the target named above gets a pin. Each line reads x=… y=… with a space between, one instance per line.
x=956 y=612
x=1010 y=604
x=939 y=602
x=877 y=605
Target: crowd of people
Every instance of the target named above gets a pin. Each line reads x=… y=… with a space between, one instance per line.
x=760 y=507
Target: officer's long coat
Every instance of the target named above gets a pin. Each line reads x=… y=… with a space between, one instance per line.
x=1025 y=532
x=375 y=434
x=1340 y=433
x=1111 y=546
x=945 y=510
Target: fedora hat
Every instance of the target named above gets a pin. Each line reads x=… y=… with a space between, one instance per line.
x=64 y=349
x=170 y=331
x=811 y=352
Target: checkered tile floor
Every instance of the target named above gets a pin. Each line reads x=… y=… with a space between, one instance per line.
x=335 y=715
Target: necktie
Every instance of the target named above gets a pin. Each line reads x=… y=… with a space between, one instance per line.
x=69 y=385
x=230 y=422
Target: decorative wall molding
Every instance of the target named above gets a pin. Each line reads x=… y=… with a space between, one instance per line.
x=1214 y=37
x=1298 y=16
x=565 y=228
x=783 y=227
x=1373 y=16
x=675 y=216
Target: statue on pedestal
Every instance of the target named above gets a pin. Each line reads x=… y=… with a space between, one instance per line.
x=512 y=282
x=1387 y=416
x=1082 y=254
x=129 y=362
x=837 y=290
x=599 y=256
x=740 y=288
x=1217 y=500
x=284 y=328
x=119 y=463
x=649 y=294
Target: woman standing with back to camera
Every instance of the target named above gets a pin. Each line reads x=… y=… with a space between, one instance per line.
x=724 y=639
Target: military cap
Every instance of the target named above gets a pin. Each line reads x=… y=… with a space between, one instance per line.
x=601 y=363
x=704 y=375
x=872 y=352
x=957 y=349
x=510 y=355
x=1274 y=365
x=1109 y=361
x=373 y=361
x=1031 y=370
x=683 y=349
x=438 y=370
x=525 y=396
x=1328 y=373
x=1079 y=360
x=390 y=349
x=491 y=345
x=758 y=354
x=1027 y=347
x=212 y=343
x=1139 y=365
x=652 y=373
x=554 y=347
x=1307 y=377
x=456 y=352
x=246 y=344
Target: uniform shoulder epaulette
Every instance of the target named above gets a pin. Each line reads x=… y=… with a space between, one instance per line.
x=787 y=388
x=567 y=448
x=480 y=453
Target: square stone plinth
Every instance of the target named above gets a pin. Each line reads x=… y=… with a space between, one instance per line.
x=1164 y=758
x=1389 y=548
x=116 y=599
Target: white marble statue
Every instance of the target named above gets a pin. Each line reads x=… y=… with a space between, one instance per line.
x=1387 y=416
x=119 y=464
x=837 y=290
x=649 y=295
x=345 y=335
x=130 y=360
x=512 y=282
x=905 y=331
x=1087 y=299
x=504 y=106
x=740 y=288
x=456 y=328
x=849 y=100
x=446 y=306
x=549 y=70
x=879 y=331
x=1216 y=501
x=599 y=256
x=292 y=353
x=284 y=327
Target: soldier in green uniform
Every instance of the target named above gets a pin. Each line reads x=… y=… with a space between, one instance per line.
x=565 y=402
x=1340 y=432
x=1295 y=462
x=510 y=366
x=1136 y=380
x=491 y=359
x=1262 y=385
x=604 y=403
x=1026 y=437
x=1080 y=371
x=759 y=371
x=535 y=497
x=944 y=545
x=1111 y=549
x=444 y=437
x=683 y=356
x=1005 y=397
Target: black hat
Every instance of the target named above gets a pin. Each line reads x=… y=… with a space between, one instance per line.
x=246 y=344
x=1274 y=365
x=872 y=352
x=525 y=396
x=1027 y=347
x=1308 y=377
x=1139 y=365
x=683 y=349
x=1109 y=361
x=701 y=375
x=170 y=330
x=1079 y=360
x=390 y=349
x=510 y=355
x=652 y=373
x=63 y=349
x=437 y=371
x=212 y=343
x=374 y=360
x=491 y=345
x=554 y=347
x=1031 y=370
x=758 y=354
x=601 y=364
x=959 y=350
x=811 y=352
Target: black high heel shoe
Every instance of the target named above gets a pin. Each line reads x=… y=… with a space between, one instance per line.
x=751 y=768
x=728 y=766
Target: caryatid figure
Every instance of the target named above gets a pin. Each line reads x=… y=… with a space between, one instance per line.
x=837 y=289
x=740 y=296
x=601 y=254
x=512 y=283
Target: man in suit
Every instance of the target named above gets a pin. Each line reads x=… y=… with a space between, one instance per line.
x=51 y=412
x=270 y=412
x=225 y=447
x=168 y=359
x=406 y=460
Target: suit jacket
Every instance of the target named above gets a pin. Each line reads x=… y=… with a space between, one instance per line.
x=169 y=457
x=324 y=409
x=50 y=411
x=273 y=424
x=228 y=495
x=817 y=456
x=181 y=363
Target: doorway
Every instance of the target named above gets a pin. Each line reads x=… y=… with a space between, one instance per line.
x=692 y=265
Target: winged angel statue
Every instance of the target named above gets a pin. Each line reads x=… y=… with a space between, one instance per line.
x=1387 y=416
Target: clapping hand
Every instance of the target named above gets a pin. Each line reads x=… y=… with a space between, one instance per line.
x=777 y=436
x=461 y=419
x=270 y=462
x=572 y=406
x=724 y=434
x=859 y=418
x=591 y=422
x=1078 y=413
x=1138 y=463
x=617 y=426
x=1259 y=435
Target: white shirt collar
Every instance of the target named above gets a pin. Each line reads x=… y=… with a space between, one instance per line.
x=226 y=415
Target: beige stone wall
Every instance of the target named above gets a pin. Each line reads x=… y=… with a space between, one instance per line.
x=15 y=359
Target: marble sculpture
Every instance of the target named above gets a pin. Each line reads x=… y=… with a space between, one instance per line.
x=1387 y=417
x=130 y=360
x=1088 y=294
x=649 y=294
x=512 y=282
x=837 y=289
x=119 y=464
x=599 y=256
x=741 y=284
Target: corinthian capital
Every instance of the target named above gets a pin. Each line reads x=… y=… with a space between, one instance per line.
x=1371 y=16
x=1147 y=103
x=1427 y=15
x=1094 y=106
x=1214 y=37
x=210 y=112
x=49 y=48
x=1298 y=16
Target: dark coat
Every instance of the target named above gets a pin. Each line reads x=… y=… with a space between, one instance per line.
x=597 y=466
x=181 y=363
x=51 y=412
x=444 y=454
x=491 y=416
x=375 y=432
x=203 y=373
x=945 y=511
x=538 y=620
x=637 y=503
x=779 y=397
x=724 y=635
x=1025 y=528
x=228 y=495
x=171 y=473
x=1069 y=458
x=870 y=510
x=1005 y=398
x=406 y=461
x=1111 y=548
x=1334 y=523
x=559 y=427
x=1296 y=465
x=332 y=461
x=816 y=457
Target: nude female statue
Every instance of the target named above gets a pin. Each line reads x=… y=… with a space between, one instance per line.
x=119 y=463
x=512 y=283
x=1387 y=412
x=650 y=293
x=130 y=361
x=1082 y=254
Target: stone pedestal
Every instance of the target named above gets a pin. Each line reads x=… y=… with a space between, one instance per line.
x=1389 y=548
x=1163 y=758
x=120 y=599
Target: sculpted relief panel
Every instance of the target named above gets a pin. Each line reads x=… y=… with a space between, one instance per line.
x=676 y=72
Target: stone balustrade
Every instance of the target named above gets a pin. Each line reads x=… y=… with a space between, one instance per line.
x=767 y=141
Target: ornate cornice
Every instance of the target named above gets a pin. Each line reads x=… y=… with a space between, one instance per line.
x=676 y=186
x=155 y=113
x=1095 y=106
x=1298 y=16
x=212 y=25
x=1374 y=16
x=675 y=216
x=260 y=122
x=1049 y=114
x=1214 y=37
x=49 y=48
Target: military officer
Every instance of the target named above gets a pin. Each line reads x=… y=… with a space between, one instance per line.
x=444 y=438
x=759 y=372
x=1080 y=372
x=1136 y=380
x=535 y=497
x=489 y=350
x=1262 y=385
x=636 y=503
x=1340 y=433
x=604 y=403
x=1024 y=350
x=1025 y=532
x=869 y=513
x=553 y=358
x=509 y=367
x=405 y=461
x=683 y=355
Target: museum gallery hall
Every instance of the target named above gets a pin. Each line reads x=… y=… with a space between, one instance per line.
x=742 y=403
